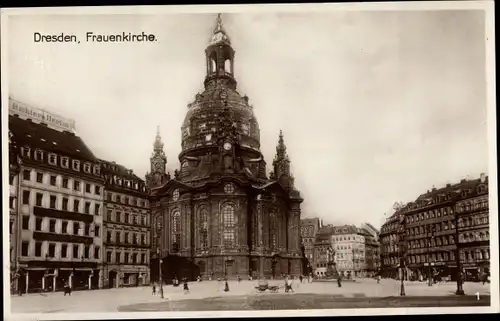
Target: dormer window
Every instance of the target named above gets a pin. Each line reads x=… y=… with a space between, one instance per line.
x=39 y=155
x=86 y=168
x=64 y=162
x=76 y=165
x=52 y=159
x=26 y=151
x=97 y=170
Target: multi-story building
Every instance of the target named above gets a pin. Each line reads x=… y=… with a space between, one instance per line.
x=389 y=246
x=473 y=225
x=14 y=168
x=126 y=226
x=322 y=244
x=349 y=245
x=58 y=214
x=372 y=249
x=308 y=229
x=431 y=232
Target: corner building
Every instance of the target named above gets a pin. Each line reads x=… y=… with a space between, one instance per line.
x=58 y=223
x=220 y=214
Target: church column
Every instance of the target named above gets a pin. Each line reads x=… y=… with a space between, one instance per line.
x=260 y=240
x=166 y=231
x=243 y=228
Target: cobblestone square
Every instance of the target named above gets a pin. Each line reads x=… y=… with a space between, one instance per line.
x=113 y=300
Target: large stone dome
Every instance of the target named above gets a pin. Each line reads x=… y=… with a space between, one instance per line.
x=220 y=103
x=204 y=121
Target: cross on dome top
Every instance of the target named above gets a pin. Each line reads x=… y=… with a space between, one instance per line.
x=219 y=34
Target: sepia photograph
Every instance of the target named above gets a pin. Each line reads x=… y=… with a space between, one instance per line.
x=249 y=160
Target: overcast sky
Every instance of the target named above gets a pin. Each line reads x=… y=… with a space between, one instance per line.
x=376 y=107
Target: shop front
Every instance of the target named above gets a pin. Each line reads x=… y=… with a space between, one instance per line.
x=50 y=276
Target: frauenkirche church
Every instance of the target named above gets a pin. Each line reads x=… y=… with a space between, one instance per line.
x=220 y=214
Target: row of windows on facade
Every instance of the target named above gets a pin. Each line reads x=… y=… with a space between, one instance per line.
x=432 y=242
x=63 y=182
x=390 y=227
x=64 y=204
x=429 y=215
x=472 y=221
x=463 y=207
x=465 y=256
x=348 y=238
x=126 y=218
x=62 y=251
x=474 y=205
x=65 y=227
x=350 y=256
x=448 y=240
x=228 y=224
x=443 y=226
x=125 y=237
x=127 y=258
x=131 y=184
x=438 y=227
x=122 y=199
x=63 y=161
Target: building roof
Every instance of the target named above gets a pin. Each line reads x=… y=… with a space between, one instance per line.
x=323 y=234
x=345 y=229
x=28 y=133
x=117 y=169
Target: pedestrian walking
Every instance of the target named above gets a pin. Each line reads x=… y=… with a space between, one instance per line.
x=226 y=286
x=186 y=287
x=301 y=278
x=288 y=285
x=154 y=289
x=378 y=278
x=67 y=289
x=339 y=281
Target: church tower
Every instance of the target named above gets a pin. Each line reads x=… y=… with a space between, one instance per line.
x=158 y=174
x=220 y=57
x=281 y=166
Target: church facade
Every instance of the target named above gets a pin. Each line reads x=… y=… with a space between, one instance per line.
x=221 y=214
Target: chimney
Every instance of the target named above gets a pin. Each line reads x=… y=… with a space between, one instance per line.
x=463 y=180
x=483 y=177
x=448 y=185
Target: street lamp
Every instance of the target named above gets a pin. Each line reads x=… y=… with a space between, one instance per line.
x=160 y=272
x=430 y=234
x=460 y=290
x=402 y=247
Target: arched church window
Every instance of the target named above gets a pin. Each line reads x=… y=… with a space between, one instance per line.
x=227 y=66
x=203 y=219
x=228 y=223
x=176 y=228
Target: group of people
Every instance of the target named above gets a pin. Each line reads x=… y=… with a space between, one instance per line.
x=175 y=283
